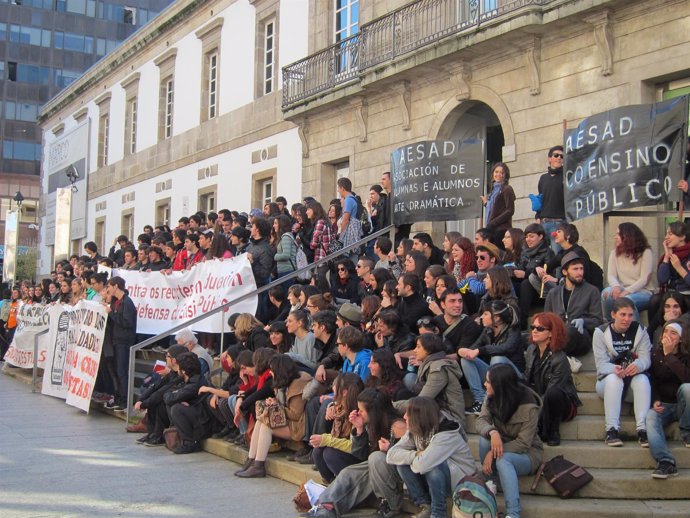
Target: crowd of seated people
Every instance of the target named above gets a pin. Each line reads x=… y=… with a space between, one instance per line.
x=368 y=359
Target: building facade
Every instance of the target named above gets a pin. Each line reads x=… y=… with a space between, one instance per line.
x=514 y=72
x=44 y=46
x=185 y=115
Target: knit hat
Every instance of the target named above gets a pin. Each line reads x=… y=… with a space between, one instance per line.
x=350 y=313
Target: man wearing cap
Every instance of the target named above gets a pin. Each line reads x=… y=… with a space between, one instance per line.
x=670 y=380
x=578 y=303
x=349 y=315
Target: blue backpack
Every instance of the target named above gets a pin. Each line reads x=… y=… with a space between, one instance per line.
x=473 y=499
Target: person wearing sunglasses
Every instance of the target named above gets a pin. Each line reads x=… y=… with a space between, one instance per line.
x=547 y=372
x=550 y=186
x=473 y=286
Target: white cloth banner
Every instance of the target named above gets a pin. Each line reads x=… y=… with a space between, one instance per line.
x=31 y=320
x=165 y=301
x=76 y=339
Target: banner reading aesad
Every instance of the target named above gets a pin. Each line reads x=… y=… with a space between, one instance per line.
x=31 y=320
x=628 y=157
x=437 y=181
x=164 y=301
x=76 y=339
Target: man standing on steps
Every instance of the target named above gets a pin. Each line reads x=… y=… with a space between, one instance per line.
x=550 y=186
x=671 y=395
x=622 y=355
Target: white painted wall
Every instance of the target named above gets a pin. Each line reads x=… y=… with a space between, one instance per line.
x=294 y=32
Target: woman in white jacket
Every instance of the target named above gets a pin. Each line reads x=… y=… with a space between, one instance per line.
x=622 y=352
x=432 y=456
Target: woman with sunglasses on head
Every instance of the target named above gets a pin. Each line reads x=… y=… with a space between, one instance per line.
x=509 y=445
x=500 y=342
x=547 y=372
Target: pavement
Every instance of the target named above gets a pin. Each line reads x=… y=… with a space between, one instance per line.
x=57 y=461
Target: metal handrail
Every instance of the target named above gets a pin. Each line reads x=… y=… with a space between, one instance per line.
x=410 y=27
x=137 y=347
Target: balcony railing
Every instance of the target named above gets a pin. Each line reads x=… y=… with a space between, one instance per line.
x=407 y=29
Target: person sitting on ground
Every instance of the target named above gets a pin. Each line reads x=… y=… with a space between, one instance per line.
x=547 y=372
x=294 y=293
x=382 y=249
x=432 y=456
x=279 y=306
x=464 y=259
x=288 y=384
x=622 y=355
x=429 y=280
x=364 y=269
x=187 y=338
x=630 y=270
x=319 y=302
x=389 y=294
x=509 y=445
x=374 y=424
x=185 y=405
x=500 y=342
x=577 y=302
x=440 y=285
x=499 y=287
x=247 y=383
x=457 y=329
x=449 y=239
x=151 y=399
x=670 y=374
x=245 y=402
x=218 y=403
x=332 y=451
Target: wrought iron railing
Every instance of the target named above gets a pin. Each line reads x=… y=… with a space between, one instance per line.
x=404 y=30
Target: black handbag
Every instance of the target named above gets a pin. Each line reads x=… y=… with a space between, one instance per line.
x=564 y=476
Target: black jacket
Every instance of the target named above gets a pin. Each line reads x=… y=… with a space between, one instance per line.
x=262 y=260
x=188 y=392
x=411 y=309
x=153 y=395
x=509 y=344
x=533 y=257
x=124 y=321
x=257 y=339
x=668 y=372
x=553 y=370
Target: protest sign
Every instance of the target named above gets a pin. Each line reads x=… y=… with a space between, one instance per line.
x=437 y=181
x=164 y=301
x=31 y=320
x=76 y=339
x=627 y=157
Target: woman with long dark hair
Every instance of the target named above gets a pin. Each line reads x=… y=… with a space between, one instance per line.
x=333 y=451
x=449 y=239
x=499 y=204
x=500 y=342
x=440 y=285
x=509 y=445
x=288 y=385
x=431 y=457
x=672 y=305
x=630 y=270
x=547 y=372
x=379 y=278
x=305 y=232
x=345 y=285
x=386 y=375
x=220 y=248
x=375 y=426
x=513 y=243
x=279 y=337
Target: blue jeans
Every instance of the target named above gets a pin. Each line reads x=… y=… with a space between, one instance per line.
x=431 y=487
x=656 y=422
x=232 y=401
x=509 y=468
x=549 y=228
x=640 y=299
x=475 y=372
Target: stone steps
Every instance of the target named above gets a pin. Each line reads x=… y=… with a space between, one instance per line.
x=595 y=454
x=591 y=428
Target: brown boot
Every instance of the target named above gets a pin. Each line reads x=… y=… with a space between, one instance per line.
x=256 y=470
x=245 y=467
